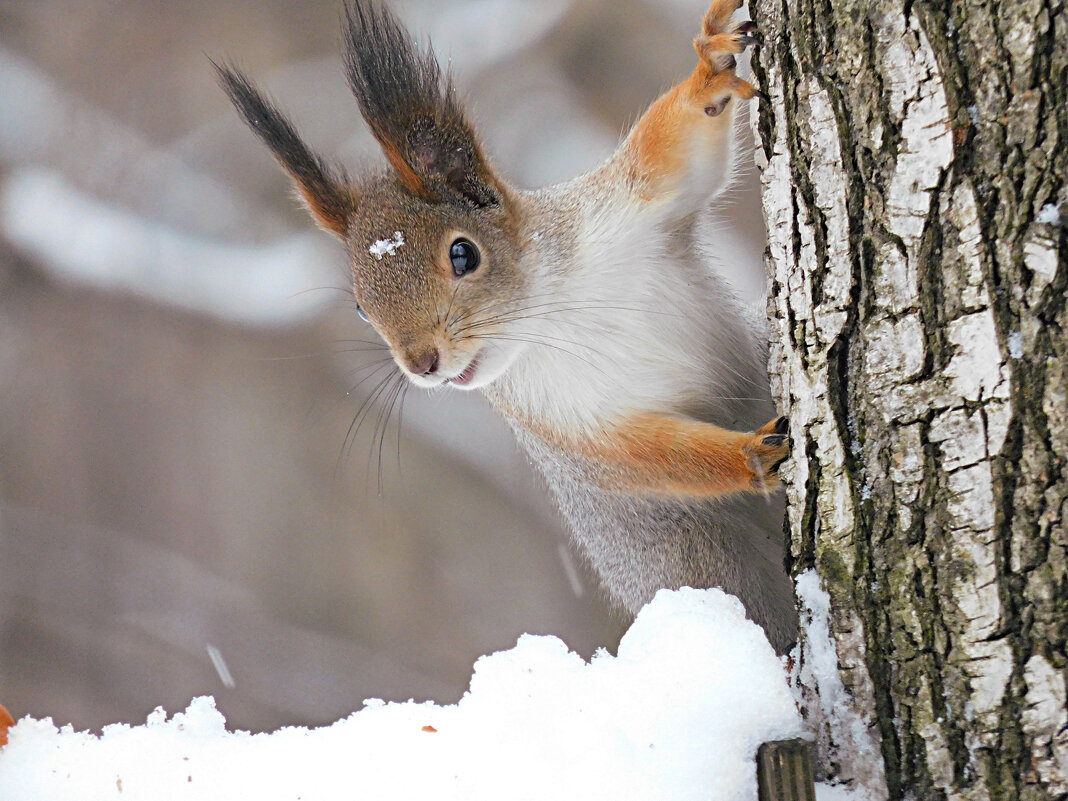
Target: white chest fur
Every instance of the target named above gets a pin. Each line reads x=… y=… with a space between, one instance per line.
x=628 y=318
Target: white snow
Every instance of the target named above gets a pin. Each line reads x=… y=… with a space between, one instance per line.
x=1042 y=259
x=1016 y=344
x=384 y=247
x=821 y=672
x=821 y=666
x=1050 y=214
x=678 y=714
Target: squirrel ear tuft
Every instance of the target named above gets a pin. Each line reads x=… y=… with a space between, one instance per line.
x=326 y=191
x=412 y=111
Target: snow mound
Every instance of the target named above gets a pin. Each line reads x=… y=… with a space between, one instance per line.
x=678 y=714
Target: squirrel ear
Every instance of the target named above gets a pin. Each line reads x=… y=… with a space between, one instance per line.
x=325 y=191
x=412 y=111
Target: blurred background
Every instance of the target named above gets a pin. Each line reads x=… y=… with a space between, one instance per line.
x=185 y=505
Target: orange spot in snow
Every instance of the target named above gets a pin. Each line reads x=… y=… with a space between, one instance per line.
x=6 y=722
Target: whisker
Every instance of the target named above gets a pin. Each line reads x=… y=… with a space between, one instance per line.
x=503 y=321
x=565 y=304
x=321 y=354
x=353 y=371
x=381 y=411
x=385 y=409
x=400 y=421
x=346 y=290
x=511 y=316
x=452 y=299
x=382 y=424
x=359 y=418
x=376 y=342
x=564 y=340
x=511 y=338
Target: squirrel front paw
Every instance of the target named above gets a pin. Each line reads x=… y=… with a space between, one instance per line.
x=766 y=450
x=720 y=39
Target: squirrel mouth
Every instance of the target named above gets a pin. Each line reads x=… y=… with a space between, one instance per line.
x=465 y=377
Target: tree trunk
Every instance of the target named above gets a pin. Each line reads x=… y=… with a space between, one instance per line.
x=914 y=190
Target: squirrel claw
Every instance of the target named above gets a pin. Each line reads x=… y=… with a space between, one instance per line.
x=721 y=39
x=765 y=453
x=780 y=425
x=747 y=34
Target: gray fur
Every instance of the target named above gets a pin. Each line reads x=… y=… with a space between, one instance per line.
x=640 y=545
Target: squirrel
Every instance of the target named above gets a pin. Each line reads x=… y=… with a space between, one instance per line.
x=586 y=313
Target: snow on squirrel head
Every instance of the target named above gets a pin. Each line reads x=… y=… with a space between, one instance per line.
x=433 y=241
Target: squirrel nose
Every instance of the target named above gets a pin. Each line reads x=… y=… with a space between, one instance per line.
x=423 y=363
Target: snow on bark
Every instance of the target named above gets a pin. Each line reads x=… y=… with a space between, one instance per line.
x=818 y=674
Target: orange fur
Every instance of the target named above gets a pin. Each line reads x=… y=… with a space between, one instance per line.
x=677 y=457
x=412 y=181
x=656 y=138
x=718 y=15
x=650 y=453
x=331 y=215
x=717 y=45
x=658 y=145
x=6 y=722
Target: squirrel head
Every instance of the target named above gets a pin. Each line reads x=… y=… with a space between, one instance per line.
x=434 y=241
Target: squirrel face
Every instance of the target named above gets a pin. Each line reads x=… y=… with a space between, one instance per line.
x=434 y=243
x=430 y=276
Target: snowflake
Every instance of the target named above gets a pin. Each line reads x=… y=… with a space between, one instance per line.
x=387 y=247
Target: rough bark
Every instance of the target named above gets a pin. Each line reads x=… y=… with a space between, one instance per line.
x=914 y=191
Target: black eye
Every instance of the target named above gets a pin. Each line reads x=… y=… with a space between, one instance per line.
x=464 y=257
x=362 y=313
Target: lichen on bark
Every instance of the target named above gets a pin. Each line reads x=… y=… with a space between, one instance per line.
x=914 y=190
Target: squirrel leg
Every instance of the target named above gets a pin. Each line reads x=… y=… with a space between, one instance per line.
x=665 y=455
x=680 y=148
